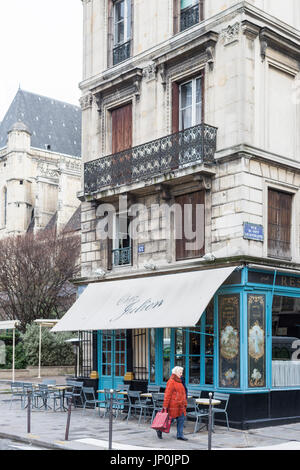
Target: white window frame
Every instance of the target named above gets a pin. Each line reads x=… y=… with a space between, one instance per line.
x=194 y=103
x=126 y=21
x=116 y=231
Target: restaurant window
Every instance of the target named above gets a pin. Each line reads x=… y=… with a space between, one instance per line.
x=209 y=344
x=193 y=349
x=279 y=223
x=194 y=355
x=285 y=341
x=121 y=30
x=152 y=355
x=166 y=354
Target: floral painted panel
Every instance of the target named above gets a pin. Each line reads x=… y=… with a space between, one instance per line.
x=229 y=340
x=256 y=341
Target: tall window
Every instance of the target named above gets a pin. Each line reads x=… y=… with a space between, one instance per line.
x=279 y=223
x=285 y=341
x=190 y=103
x=122 y=30
x=190 y=348
x=190 y=13
x=121 y=243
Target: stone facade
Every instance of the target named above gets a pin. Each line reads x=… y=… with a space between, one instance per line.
x=249 y=53
x=38 y=180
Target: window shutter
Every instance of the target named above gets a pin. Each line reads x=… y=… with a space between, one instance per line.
x=121 y=128
x=193 y=199
x=279 y=223
x=175 y=107
x=176 y=16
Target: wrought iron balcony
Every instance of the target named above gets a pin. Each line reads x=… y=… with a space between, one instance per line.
x=121 y=256
x=176 y=151
x=121 y=52
x=189 y=17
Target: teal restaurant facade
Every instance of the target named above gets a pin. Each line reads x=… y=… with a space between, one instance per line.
x=240 y=335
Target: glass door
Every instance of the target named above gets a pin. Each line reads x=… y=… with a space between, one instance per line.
x=112 y=358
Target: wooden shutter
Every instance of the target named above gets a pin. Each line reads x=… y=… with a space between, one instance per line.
x=176 y=16
x=175 y=107
x=201 y=10
x=121 y=128
x=181 y=250
x=279 y=223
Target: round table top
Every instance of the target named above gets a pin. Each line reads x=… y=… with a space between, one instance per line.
x=205 y=401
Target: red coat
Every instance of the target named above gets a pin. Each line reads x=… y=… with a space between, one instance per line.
x=175 y=397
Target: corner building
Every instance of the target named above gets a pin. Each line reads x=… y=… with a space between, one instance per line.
x=195 y=103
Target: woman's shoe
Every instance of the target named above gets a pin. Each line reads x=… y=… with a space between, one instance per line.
x=182 y=438
x=159 y=434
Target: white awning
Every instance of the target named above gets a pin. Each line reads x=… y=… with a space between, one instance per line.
x=161 y=301
x=9 y=324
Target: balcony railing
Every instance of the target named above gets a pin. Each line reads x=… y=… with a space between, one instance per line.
x=121 y=52
x=176 y=151
x=121 y=256
x=189 y=17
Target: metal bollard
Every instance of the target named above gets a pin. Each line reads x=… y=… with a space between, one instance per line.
x=28 y=411
x=209 y=422
x=68 y=420
x=110 y=420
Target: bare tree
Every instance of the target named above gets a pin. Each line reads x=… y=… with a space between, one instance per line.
x=34 y=274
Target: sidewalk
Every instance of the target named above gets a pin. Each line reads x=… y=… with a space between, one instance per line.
x=89 y=432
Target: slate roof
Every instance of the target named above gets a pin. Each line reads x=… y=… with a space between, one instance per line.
x=51 y=123
x=74 y=223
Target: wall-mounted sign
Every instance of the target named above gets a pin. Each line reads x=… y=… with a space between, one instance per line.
x=141 y=248
x=253 y=232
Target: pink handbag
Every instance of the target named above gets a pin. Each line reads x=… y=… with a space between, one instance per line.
x=162 y=421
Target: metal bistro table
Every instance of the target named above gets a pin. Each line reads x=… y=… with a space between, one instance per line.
x=208 y=402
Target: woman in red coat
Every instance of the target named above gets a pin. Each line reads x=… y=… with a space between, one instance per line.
x=175 y=401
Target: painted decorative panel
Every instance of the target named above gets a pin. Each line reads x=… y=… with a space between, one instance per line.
x=256 y=340
x=229 y=340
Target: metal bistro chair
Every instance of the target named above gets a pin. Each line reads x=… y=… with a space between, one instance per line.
x=116 y=404
x=41 y=394
x=76 y=393
x=224 y=398
x=196 y=413
x=27 y=387
x=158 y=401
x=49 y=382
x=122 y=399
x=195 y=393
x=153 y=388
x=136 y=404
x=17 y=391
x=90 y=399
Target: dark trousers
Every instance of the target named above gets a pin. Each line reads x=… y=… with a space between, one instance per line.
x=180 y=423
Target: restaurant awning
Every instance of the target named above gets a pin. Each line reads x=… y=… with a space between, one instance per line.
x=161 y=301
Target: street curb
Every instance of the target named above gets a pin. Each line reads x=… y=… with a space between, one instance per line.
x=33 y=441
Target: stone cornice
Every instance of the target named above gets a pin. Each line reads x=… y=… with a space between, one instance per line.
x=250 y=16
x=197 y=265
x=272 y=39
x=110 y=81
x=244 y=150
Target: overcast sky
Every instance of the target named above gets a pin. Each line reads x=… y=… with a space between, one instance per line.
x=41 y=49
